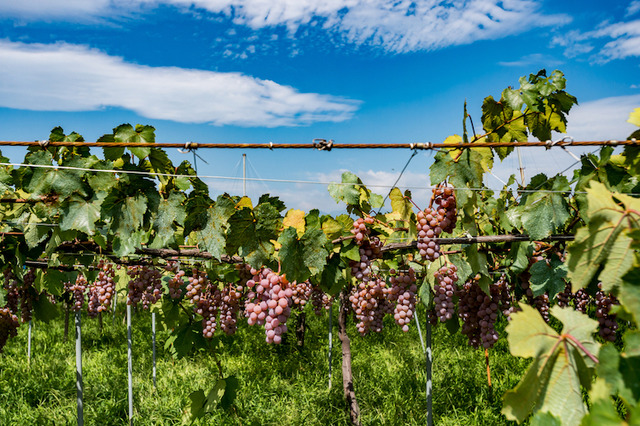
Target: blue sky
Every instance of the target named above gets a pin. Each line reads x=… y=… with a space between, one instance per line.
x=295 y=70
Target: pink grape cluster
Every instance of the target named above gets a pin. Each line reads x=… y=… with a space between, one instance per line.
x=102 y=290
x=607 y=320
x=369 y=301
x=176 y=282
x=429 y=229
x=229 y=307
x=27 y=294
x=8 y=326
x=206 y=300
x=145 y=286
x=320 y=300
x=360 y=229
x=77 y=291
x=470 y=299
x=13 y=290
x=445 y=200
x=301 y=293
x=370 y=249
x=444 y=289
x=403 y=293
x=269 y=303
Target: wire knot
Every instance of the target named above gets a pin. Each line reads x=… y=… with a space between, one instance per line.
x=322 y=144
x=188 y=147
x=421 y=145
x=612 y=142
x=44 y=143
x=549 y=144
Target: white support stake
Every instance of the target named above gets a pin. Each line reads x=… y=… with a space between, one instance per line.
x=29 y=342
x=330 y=342
x=79 y=385
x=115 y=303
x=129 y=364
x=429 y=360
x=153 y=338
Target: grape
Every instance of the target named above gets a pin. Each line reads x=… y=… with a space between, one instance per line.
x=445 y=198
x=360 y=229
x=77 y=291
x=444 y=289
x=607 y=320
x=145 y=286
x=369 y=250
x=229 y=307
x=8 y=326
x=102 y=290
x=429 y=229
x=206 y=301
x=13 y=290
x=403 y=293
x=564 y=297
x=369 y=303
x=319 y=300
x=269 y=302
x=176 y=282
x=27 y=293
x=471 y=297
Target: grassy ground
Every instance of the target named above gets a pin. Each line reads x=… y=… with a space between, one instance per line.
x=279 y=385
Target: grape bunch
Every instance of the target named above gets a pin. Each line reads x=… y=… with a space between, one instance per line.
x=102 y=290
x=13 y=290
x=564 y=297
x=27 y=294
x=206 y=301
x=369 y=301
x=471 y=297
x=607 y=320
x=269 y=303
x=581 y=300
x=320 y=300
x=444 y=289
x=370 y=250
x=229 y=307
x=445 y=200
x=77 y=290
x=8 y=326
x=145 y=286
x=176 y=282
x=403 y=293
x=301 y=293
x=429 y=229
x=360 y=229
x=492 y=304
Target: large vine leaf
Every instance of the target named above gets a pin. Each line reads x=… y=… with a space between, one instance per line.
x=606 y=241
x=560 y=364
x=545 y=212
x=304 y=257
x=213 y=236
x=170 y=212
x=80 y=215
x=126 y=133
x=348 y=191
x=548 y=276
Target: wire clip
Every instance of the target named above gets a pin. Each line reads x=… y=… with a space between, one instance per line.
x=188 y=147
x=421 y=145
x=549 y=144
x=44 y=143
x=322 y=144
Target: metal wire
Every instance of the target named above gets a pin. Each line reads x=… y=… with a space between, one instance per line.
x=271 y=145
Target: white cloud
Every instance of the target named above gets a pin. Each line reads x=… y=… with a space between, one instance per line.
x=624 y=41
x=544 y=61
x=63 y=77
x=633 y=8
x=396 y=25
x=602 y=119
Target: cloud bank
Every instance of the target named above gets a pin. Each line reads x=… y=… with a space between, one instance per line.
x=63 y=77
x=395 y=25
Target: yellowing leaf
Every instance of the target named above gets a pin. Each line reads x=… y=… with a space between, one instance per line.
x=634 y=117
x=244 y=202
x=562 y=364
x=295 y=218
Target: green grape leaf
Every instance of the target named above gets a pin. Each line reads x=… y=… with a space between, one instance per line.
x=548 y=277
x=332 y=279
x=170 y=212
x=629 y=292
x=545 y=212
x=519 y=255
x=213 y=236
x=603 y=413
x=545 y=419
x=348 y=191
x=559 y=369
x=304 y=257
x=605 y=242
x=621 y=371
x=400 y=205
x=126 y=133
x=80 y=215
x=230 y=392
x=43 y=309
x=634 y=117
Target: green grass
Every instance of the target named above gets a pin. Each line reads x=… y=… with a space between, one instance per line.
x=279 y=384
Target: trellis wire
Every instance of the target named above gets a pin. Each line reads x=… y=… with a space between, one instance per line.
x=79 y=384
x=323 y=146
